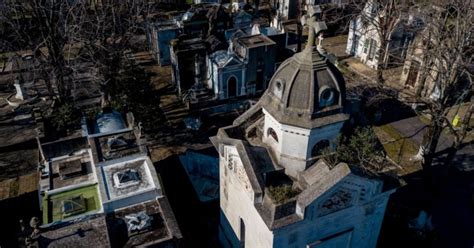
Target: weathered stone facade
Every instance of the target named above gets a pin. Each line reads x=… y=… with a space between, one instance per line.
x=244 y=69
x=364 y=39
x=275 y=190
x=161 y=34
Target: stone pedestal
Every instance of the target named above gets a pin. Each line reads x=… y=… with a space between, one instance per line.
x=19 y=91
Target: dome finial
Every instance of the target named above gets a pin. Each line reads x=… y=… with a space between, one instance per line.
x=315 y=27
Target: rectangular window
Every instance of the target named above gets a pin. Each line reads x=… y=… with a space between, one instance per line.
x=373 y=49
x=374 y=7
x=355 y=44
x=413 y=73
x=366 y=45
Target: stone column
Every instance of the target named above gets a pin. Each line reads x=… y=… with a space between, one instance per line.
x=20 y=91
x=197 y=71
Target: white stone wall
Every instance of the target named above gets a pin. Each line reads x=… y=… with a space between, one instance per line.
x=365 y=227
x=354 y=47
x=329 y=132
x=290 y=150
x=284 y=8
x=292 y=141
x=295 y=144
x=358 y=225
x=211 y=73
x=364 y=34
x=112 y=205
x=363 y=220
x=237 y=203
x=326 y=223
x=396 y=48
x=270 y=122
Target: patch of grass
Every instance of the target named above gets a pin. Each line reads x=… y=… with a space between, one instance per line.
x=398 y=148
x=425 y=119
x=281 y=193
x=14 y=187
x=343 y=68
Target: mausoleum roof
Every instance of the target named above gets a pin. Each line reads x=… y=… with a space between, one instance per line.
x=126 y=177
x=109 y=121
x=305 y=88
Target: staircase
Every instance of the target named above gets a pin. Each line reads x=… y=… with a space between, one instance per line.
x=197 y=97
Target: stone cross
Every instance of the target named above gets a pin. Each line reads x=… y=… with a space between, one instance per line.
x=314 y=28
x=320 y=39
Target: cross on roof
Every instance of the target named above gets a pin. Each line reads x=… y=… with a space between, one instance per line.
x=314 y=27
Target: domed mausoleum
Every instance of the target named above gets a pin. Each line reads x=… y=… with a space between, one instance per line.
x=304 y=88
x=275 y=190
x=303 y=108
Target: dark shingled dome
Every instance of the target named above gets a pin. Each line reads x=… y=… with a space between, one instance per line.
x=304 y=89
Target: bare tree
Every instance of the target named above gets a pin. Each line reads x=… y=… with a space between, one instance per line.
x=444 y=44
x=447 y=50
x=108 y=39
x=378 y=20
x=48 y=29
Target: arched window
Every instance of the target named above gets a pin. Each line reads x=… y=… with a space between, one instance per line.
x=319 y=147
x=273 y=134
x=232 y=87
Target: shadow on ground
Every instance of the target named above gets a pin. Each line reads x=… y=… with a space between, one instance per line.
x=198 y=221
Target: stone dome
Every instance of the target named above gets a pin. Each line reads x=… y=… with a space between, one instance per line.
x=306 y=90
x=109 y=121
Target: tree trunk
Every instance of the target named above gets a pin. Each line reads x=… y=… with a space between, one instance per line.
x=380 y=78
x=428 y=150
x=420 y=85
x=60 y=76
x=381 y=52
x=47 y=81
x=431 y=140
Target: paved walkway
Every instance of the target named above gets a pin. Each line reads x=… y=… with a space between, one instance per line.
x=17 y=186
x=413 y=128
x=337 y=45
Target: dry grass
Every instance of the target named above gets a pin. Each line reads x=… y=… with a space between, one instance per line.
x=162 y=153
x=161 y=76
x=281 y=193
x=399 y=149
x=17 y=186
